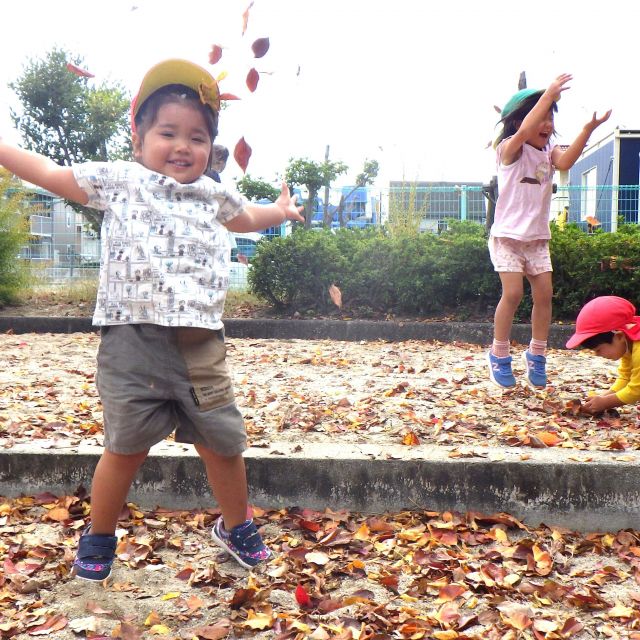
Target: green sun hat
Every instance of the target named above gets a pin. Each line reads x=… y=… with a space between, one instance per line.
x=517 y=99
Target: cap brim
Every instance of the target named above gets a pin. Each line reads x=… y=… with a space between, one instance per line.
x=173 y=71
x=578 y=338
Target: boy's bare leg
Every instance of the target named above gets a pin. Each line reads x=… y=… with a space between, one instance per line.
x=512 y=289
x=111 y=483
x=228 y=480
x=542 y=293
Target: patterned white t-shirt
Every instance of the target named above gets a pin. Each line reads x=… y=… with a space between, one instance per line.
x=165 y=251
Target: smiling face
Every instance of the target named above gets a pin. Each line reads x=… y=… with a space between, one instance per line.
x=613 y=350
x=540 y=137
x=177 y=143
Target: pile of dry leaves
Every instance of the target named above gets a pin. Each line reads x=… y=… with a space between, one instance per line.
x=338 y=575
x=367 y=392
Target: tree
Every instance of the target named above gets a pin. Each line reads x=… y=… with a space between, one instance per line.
x=368 y=175
x=313 y=176
x=13 y=235
x=255 y=190
x=66 y=119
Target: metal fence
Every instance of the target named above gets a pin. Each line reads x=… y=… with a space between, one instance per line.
x=63 y=248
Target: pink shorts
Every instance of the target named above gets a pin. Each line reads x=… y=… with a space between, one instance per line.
x=515 y=256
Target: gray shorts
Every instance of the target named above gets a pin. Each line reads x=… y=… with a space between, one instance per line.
x=153 y=380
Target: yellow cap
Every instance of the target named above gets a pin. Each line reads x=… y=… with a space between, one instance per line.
x=176 y=71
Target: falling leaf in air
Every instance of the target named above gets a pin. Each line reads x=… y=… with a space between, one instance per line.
x=336 y=295
x=83 y=73
x=245 y=18
x=242 y=259
x=252 y=79
x=260 y=47
x=215 y=54
x=242 y=154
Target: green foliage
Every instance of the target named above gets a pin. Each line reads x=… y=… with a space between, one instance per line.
x=13 y=235
x=590 y=265
x=312 y=175
x=255 y=190
x=296 y=271
x=64 y=117
x=380 y=271
x=376 y=271
x=406 y=210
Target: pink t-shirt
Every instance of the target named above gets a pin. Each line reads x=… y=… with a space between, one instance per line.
x=524 y=188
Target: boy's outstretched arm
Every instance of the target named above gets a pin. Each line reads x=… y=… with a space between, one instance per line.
x=564 y=160
x=256 y=217
x=41 y=171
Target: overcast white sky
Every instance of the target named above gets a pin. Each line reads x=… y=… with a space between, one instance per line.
x=409 y=83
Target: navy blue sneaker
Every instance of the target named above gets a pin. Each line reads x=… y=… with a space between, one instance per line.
x=500 y=371
x=95 y=556
x=536 y=371
x=243 y=542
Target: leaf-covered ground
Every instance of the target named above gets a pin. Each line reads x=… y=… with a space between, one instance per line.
x=382 y=393
x=341 y=575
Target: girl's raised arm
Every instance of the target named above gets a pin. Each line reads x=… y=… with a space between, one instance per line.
x=40 y=170
x=513 y=145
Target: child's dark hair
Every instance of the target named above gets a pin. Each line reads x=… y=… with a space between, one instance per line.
x=512 y=121
x=175 y=93
x=606 y=337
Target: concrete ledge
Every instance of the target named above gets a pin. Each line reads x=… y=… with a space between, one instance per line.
x=585 y=491
x=347 y=330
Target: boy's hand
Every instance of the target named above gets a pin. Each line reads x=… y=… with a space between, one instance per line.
x=596 y=122
x=287 y=204
x=598 y=404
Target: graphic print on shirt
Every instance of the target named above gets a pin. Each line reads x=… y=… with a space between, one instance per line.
x=542 y=175
x=165 y=252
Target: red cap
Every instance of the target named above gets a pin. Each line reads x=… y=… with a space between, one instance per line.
x=606 y=313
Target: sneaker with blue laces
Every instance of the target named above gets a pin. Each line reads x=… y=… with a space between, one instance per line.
x=243 y=542
x=536 y=371
x=96 y=553
x=500 y=371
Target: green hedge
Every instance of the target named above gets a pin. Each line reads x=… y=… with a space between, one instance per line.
x=427 y=274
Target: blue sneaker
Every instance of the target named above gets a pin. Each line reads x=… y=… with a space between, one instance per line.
x=243 y=542
x=536 y=372
x=500 y=371
x=95 y=556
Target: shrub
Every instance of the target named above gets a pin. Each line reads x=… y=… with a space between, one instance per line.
x=404 y=272
x=296 y=271
x=13 y=235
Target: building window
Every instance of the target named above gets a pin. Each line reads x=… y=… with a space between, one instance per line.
x=588 y=196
